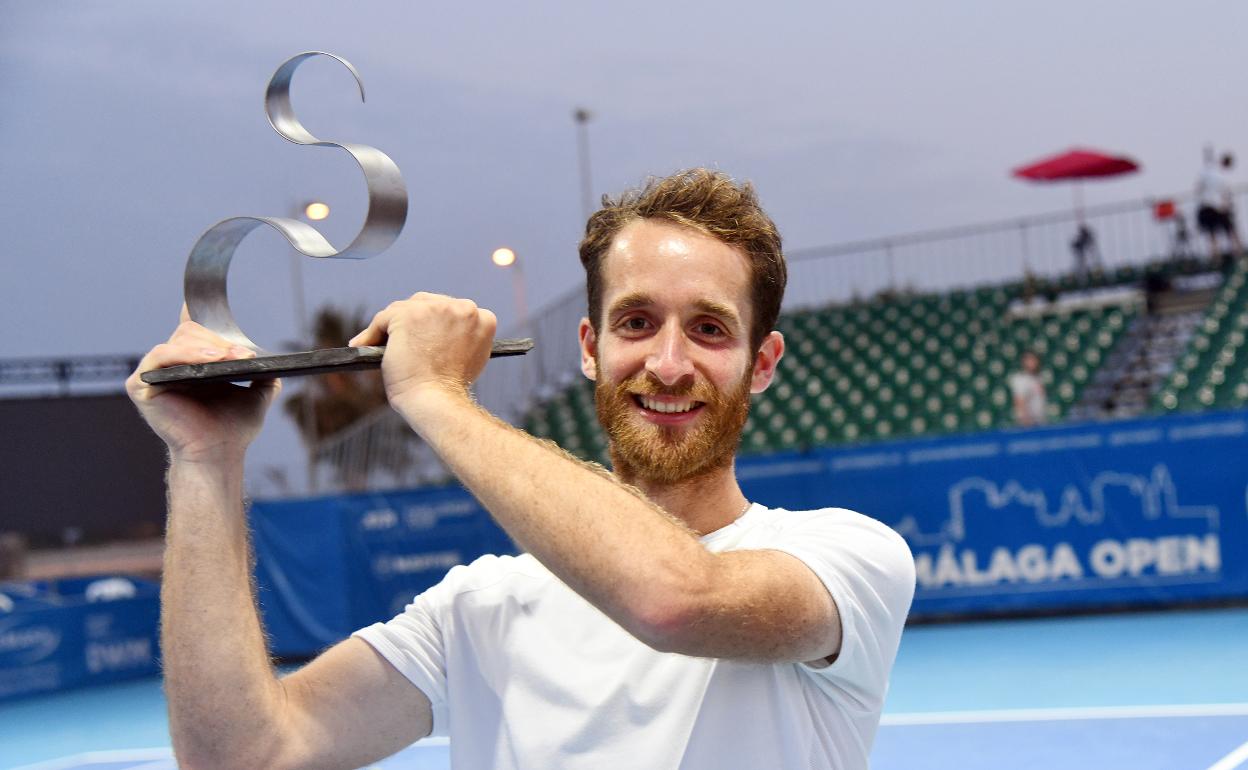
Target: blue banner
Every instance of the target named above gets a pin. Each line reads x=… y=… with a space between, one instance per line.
x=327 y=566
x=67 y=633
x=1127 y=513
x=1112 y=514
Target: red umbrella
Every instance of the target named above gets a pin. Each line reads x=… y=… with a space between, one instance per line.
x=1076 y=164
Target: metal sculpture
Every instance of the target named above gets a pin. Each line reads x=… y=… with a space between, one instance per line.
x=205 y=282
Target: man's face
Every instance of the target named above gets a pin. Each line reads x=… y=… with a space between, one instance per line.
x=672 y=359
x=1031 y=364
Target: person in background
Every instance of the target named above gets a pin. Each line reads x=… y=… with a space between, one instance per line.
x=1030 y=402
x=1215 y=205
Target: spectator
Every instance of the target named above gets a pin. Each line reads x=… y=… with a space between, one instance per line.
x=1030 y=402
x=12 y=555
x=1087 y=254
x=1215 y=205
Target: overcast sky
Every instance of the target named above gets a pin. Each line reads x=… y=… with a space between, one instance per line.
x=127 y=128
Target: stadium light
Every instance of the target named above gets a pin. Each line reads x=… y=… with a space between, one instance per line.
x=505 y=257
x=316 y=211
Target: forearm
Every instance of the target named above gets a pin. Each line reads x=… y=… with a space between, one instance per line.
x=224 y=699
x=610 y=545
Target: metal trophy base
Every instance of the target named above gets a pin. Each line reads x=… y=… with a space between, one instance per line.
x=296 y=364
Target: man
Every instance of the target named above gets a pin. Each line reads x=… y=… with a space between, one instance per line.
x=1215 y=212
x=658 y=618
x=1031 y=404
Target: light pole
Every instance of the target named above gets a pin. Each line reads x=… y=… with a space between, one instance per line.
x=506 y=258
x=313 y=211
x=582 y=117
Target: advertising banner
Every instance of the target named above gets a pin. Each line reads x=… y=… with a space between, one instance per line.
x=1111 y=514
x=1127 y=513
x=66 y=633
x=328 y=566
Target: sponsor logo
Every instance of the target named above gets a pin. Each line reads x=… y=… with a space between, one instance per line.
x=427 y=516
x=119 y=655
x=29 y=644
x=406 y=564
x=380 y=519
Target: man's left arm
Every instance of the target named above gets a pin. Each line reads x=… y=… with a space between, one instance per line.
x=623 y=554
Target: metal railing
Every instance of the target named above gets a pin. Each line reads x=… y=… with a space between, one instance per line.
x=65 y=372
x=922 y=262
x=371 y=453
x=991 y=253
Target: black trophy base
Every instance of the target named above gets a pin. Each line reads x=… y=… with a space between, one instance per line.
x=296 y=364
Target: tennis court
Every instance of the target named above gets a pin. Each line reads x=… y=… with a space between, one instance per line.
x=1164 y=691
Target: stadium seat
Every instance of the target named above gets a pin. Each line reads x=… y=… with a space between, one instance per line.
x=938 y=363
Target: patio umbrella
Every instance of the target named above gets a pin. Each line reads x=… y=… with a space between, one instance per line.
x=1076 y=164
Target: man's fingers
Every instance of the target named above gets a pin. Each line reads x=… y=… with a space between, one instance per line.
x=416 y=307
x=488 y=321
x=174 y=353
x=191 y=334
x=267 y=388
x=376 y=332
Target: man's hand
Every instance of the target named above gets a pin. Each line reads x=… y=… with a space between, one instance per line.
x=206 y=422
x=435 y=346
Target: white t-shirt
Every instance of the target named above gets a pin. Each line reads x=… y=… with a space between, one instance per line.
x=524 y=673
x=1027 y=386
x=1212 y=188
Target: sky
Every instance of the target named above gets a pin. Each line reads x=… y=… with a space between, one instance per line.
x=129 y=127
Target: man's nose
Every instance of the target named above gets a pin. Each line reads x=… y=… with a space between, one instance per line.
x=670 y=361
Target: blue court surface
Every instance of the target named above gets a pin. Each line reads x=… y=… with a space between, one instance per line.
x=1163 y=691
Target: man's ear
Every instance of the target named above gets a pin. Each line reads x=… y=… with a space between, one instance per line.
x=765 y=362
x=589 y=346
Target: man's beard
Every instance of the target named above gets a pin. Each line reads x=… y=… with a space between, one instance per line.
x=644 y=451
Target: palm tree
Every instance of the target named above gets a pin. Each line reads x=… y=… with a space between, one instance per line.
x=327 y=404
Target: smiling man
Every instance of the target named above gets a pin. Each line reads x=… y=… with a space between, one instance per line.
x=658 y=619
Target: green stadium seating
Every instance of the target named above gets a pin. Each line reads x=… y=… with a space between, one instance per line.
x=932 y=364
x=1213 y=372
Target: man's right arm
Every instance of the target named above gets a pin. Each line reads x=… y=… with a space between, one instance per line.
x=227 y=708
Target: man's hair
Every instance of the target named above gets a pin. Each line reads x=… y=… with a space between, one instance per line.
x=712 y=203
x=1228 y=160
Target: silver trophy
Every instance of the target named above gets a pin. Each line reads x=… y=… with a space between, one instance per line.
x=209 y=262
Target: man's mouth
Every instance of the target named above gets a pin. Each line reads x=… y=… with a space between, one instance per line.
x=667 y=405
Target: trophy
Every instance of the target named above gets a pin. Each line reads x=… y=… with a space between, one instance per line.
x=209 y=262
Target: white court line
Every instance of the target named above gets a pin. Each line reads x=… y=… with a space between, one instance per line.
x=156 y=759
x=1232 y=760
x=119 y=755
x=1059 y=714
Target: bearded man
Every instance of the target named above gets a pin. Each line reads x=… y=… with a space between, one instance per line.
x=657 y=619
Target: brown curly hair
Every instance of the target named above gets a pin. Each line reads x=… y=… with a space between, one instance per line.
x=708 y=201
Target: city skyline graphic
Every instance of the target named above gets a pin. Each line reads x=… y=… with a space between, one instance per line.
x=1156 y=493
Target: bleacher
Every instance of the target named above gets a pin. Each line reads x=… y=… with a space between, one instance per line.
x=1213 y=372
x=905 y=365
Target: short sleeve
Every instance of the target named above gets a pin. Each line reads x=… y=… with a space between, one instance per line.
x=1016 y=385
x=414 y=643
x=869 y=571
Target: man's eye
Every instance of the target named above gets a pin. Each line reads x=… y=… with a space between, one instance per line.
x=635 y=324
x=709 y=329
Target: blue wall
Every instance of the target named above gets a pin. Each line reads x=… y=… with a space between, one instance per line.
x=55 y=635
x=327 y=566
x=1125 y=513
